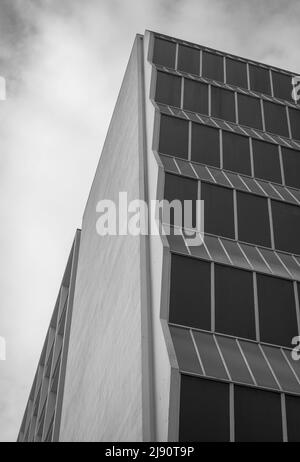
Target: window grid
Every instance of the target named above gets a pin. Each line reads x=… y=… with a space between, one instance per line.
x=228 y=126
x=256 y=262
x=237 y=120
x=257 y=309
x=236 y=217
x=284 y=193
x=239 y=90
x=226 y=56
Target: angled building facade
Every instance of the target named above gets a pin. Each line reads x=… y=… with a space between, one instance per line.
x=173 y=342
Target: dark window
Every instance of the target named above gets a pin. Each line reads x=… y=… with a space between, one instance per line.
x=266 y=161
x=277 y=310
x=195 y=96
x=168 y=89
x=218 y=210
x=260 y=79
x=291 y=165
x=250 y=111
x=164 y=53
x=236 y=153
x=236 y=73
x=212 y=66
x=223 y=104
x=182 y=189
x=282 y=84
x=257 y=415
x=253 y=219
x=206 y=145
x=173 y=137
x=293 y=418
x=295 y=123
x=234 y=302
x=190 y=292
x=204 y=411
x=286 y=219
x=276 y=119
x=189 y=60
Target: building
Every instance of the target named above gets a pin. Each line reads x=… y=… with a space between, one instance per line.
x=166 y=341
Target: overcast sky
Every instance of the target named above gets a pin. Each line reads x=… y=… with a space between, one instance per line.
x=64 y=61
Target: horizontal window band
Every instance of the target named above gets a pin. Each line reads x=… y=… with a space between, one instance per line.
x=222 y=53
x=239 y=255
x=229 y=179
x=230 y=127
x=230 y=337
x=214 y=356
x=226 y=86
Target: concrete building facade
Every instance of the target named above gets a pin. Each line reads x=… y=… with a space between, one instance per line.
x=166 y=341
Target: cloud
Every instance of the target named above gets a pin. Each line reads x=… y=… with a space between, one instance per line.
x=64 y=63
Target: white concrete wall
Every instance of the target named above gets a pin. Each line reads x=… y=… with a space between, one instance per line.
x=103 y=389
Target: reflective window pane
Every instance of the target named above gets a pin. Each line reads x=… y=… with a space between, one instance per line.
x=291 y=165
x=223 y=104
x=176 y=242
x=185 y=168
x=234 y=360
x=189 y=59
x=260 y=79
x=253 y=219
x=169 y=164
x=206 y=145
x=173 y=138
x=282 y=370
x=190 y=292
x=195 y=96
x=218 y=210
x=185 y=351
x=274 y=263
x=255 y=258
x=282 y=85
x=293 y=418
x=234 y=308
x=236 y=73
x=216 y=250
x=236 y=255
x=236 y=153
x=286 y=221
x=277 y=310
x=168 y=89
x=257 y=415
x=258 y=365
x=204 y=411
x=210 y=356
x=266 y=161
x=295 y=123
x=212 y=66
x=249 y=111
x=164 y=53
x=276 y=119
